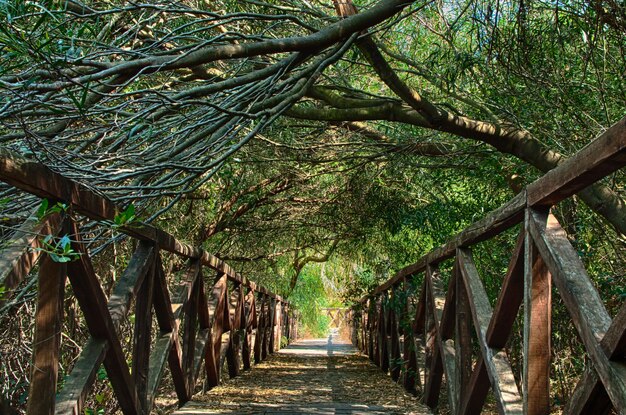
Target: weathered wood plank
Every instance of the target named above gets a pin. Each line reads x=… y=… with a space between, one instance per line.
x=94 y=305
x=371 y=328
x=38 y=180
x=279 y=322
x=71 y=399
x=589 y=396
x=411 y=378
x=463 y=337
x=374 y=328
x=47 y=339
x=76 y=388
x=167 y=348
x=442 y=308
x=169 y=323
x=175 y=363
x=495 y=360
x=190 y=329
x=383 y=351
x=614 y=341
x=250 y=322
x=267 y=329
x=582 y=301
x=272 y=327
x=234 y=340
x=476 y=391
x=537 y=330
x=129 y=283
x=420 y=311
x=21 y=253
x=603 y=156
x=260 y=329
x=433 y=366
x=395 y=365
x=162 y=302
x=221 y=315
x=142 y=336
x=510 y=298
x=203 y=344
x=159 y=358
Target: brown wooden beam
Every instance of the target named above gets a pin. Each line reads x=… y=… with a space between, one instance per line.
x=603 y=156
x=495 y=361
x=93 y=303
x=582 y=301
x=47 y=341
x=40 y=181
x=537 y=330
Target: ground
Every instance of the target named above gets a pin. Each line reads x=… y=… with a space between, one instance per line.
x=312 y=376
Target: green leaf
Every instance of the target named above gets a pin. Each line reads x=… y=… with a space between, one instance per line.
x=59 y=258
x=65 y=243
x=126 y=216
x=43 y=208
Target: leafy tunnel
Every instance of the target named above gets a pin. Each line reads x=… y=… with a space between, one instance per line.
x=318 y=146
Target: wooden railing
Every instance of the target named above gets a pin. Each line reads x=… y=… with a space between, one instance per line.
x=440 y=323
x=337 y=315
x=191 y=317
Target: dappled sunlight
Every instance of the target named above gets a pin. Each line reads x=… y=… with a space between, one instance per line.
x=323 y=376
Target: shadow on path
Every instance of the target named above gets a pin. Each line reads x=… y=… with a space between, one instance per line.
x=312 y=376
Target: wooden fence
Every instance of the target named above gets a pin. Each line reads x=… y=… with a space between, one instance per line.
x=441 y=322
x=191 y=316
x=337 y=315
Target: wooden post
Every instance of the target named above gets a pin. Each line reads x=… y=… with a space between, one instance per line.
x=463 y=336
x=409 y=354
x=272 y=327
x=364 y=323
x=250 y=323
x=279 y=325
x=430 y=339
x=371 y=329
x=142 y=337
x=221 y=324
x=260 y=331
x=383 y=342
x=267 y=328
x=537 y=328
x=234 y=338
x=396 y=359
x=189 y=334
x=46 y=344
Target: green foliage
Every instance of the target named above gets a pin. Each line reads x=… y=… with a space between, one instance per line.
x=59 y=249
x=309 y=297
x=45 y=209
x=125 y=217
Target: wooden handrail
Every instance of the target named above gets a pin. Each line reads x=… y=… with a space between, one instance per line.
x=442 y=319
x=200 y=312
x=40 y=181
x=603 y=156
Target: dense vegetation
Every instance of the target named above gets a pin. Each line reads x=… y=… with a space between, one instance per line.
x=317 y=153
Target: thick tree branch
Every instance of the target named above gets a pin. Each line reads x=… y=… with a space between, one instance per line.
x=300 y=261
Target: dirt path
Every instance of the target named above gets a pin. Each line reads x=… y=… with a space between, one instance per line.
x=320 y=376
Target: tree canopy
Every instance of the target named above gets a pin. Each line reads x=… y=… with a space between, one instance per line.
x=285 y=133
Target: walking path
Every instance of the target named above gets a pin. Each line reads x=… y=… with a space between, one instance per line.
x=318 y=376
